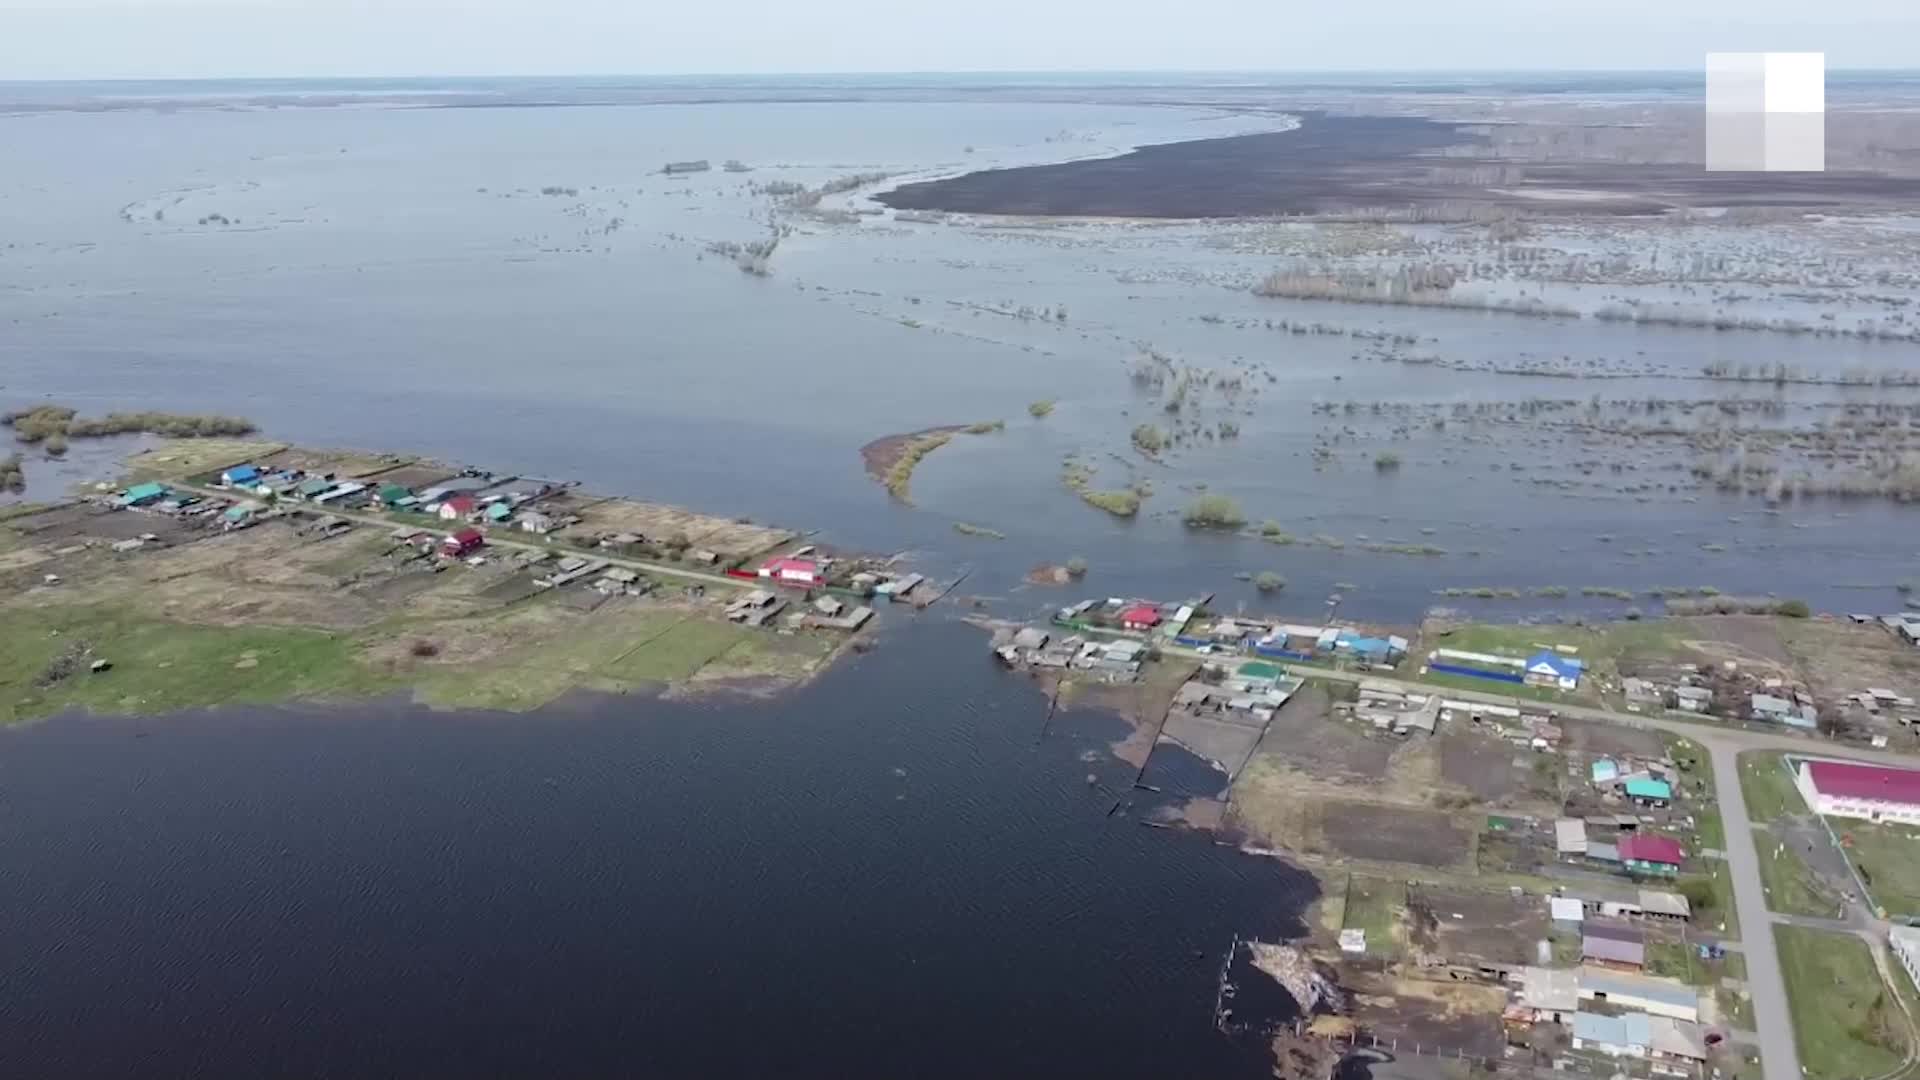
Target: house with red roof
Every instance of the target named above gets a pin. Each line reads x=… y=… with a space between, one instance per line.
x=464 y=542
x=1649 y=853
x=457 y=508
x=1867 y=792
x=1140 y=617
x=790 y=571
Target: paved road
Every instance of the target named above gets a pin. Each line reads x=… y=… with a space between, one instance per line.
x=1778 y=1058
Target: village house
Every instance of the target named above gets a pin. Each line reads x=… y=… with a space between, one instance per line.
x=144 y=494
x=456 y=508
x=1140 y=617
x=1645 y=993
x=791 y=571
x=1549 y=669
x=1613 y=945
x=462 y=542
x=1626 y=1035
x=1693 y=699
x=1648 y=792
x=1570 y=836
x=1640 y=692
x=535 y=522
x=1550 y=995
x=1866 y=792
x=240 y=476
x=1567 y=912
x=1676 y=1040
x=1646 y=853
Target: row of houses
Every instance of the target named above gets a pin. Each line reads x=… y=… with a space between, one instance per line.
x=1295 y=641
x=1616 y=1013
x=1686 y=697
x=1254 y=688
x=1647 y=784
x=1631 y=851
x=1115 y=660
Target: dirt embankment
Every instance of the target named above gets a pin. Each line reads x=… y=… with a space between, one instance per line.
x=1343 y=164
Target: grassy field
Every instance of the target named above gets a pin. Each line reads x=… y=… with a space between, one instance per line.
x=676 y=652
x=1845 y=1022
x=160 y=666
x=1888 y=857
x=1379 y=907
x=1600 y=647
x=1766 y=787
x=1791 y=887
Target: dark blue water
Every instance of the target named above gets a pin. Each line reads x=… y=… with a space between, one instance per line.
x=885 y=874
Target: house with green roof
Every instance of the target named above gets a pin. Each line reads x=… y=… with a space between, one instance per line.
x=144 y=494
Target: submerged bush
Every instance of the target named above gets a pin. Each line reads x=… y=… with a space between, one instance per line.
x=1117 y=503
x=1214 y=512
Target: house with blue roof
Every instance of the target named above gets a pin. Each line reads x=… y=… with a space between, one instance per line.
x=1649 y=792
x=1605 y=771
x=240 y=476
x=1626 y=1035
x=1553 y=671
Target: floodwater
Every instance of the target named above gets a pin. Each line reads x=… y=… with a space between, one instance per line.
x=886 y=873
x=393 y=277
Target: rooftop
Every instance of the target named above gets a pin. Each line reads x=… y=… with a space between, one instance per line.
x=1646 y=847
x=1849 y=781
x=1646 y=987
x=1644 y=788
x=1630 y=1029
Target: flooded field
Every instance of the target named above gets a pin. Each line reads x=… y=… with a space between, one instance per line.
x=1513 y=415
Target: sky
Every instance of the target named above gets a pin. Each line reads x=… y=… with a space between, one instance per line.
x=90 y=39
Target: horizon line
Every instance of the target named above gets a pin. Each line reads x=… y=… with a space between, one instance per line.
x=946 y=73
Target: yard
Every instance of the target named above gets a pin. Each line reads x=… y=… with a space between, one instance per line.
x=1767 y=787
x=1712 y=897
x=1846 y=1024
x=1792 y=889
x=1888 y=858
x=1379 y=907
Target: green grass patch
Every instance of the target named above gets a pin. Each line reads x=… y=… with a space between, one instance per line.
x=1711 y=895
x=161 y=666
x=1888 y=858
x=1845 y=1022
x=1791 y=887
x=1766 y=787
x=1120 y=503
x=1379 y=907
x=676 y=652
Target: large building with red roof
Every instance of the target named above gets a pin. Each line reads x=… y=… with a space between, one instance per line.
x=1868 y=792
